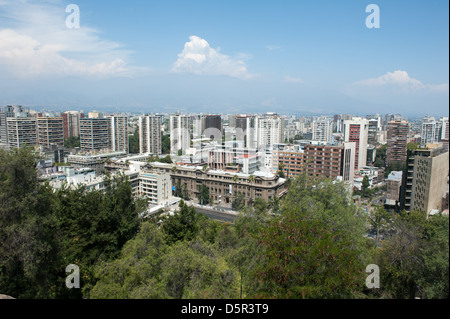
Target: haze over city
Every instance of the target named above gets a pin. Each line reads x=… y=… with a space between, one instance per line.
x=289 y=57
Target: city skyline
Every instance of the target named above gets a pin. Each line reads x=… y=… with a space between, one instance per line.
x=198 y=56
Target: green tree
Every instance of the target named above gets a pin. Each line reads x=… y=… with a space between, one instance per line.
x=380 y=221
x=203 y=196
x=184 y=224
x=30 y=265
x=72 y=142
x=281 y=170
x=165 y=144
x=133 y=142
x=94 y=225
x=238 y=202
x=365 y=190
x=310 y=250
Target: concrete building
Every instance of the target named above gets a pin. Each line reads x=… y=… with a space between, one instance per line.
x=21 y=131
x=427 y=179
x=431 y=130
x=393 y=186
x=213 y=127
x=50 y=132
x=119 y=133
x=96 y=161
x=397 y=139
x=291 y=160
x=356 y=130
x=150 y=134
x=270 y=130
x=71 y=123
x=225 y=186
x=322 y=130
x=95 y=134
x=330 y=161
x=180 y=133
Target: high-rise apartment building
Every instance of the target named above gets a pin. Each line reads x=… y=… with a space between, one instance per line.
x=7 y=112
x=431 y=130
x=357 y=130
x=50 y=132
x=180 y=133
x=119 y=133
x=397 y=138
x=269 y=130
x=95 y=133
x=426 y=179
x=150 y=134
x=322 y=129
x=71 y=123
x=21 y=131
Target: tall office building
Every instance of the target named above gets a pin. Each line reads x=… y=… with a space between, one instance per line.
x=180 y=133
x=95 y=133
x=426 y=179
x=21 y=131
x=150 y=134
x=119 y=133
x=50 y=132
x=397 y=139
x=213 y=127
x=322 y=129
x=357 y=130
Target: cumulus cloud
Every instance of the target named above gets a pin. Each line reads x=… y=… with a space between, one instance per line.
x=402 y=80
x=36 y=42
x=198 y=57
x=289 y=79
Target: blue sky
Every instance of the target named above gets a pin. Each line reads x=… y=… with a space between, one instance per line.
x=296 y=57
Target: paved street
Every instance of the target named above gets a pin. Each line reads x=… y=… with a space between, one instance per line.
x=217 y=215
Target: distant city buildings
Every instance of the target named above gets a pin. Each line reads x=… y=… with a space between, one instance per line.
x=240 y=153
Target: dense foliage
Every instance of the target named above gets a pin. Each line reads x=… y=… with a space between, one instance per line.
x=313 y=243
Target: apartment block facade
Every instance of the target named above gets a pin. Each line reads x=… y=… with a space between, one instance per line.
x=397 y=138
x=95 y=133
x=21 y=131
x=426 y=179
x=150 y=134
x=50 y=132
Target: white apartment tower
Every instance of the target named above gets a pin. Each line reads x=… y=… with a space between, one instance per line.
x=270 y=130
x=180 y=133
x=150 y=134
x=322 y=129
x=357 y=130
x=119 y=133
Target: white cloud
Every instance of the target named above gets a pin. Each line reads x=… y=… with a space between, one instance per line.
x=273 y=47
x=198 y=57
x=401 y=80
x=289 y=79
x=37 y=43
